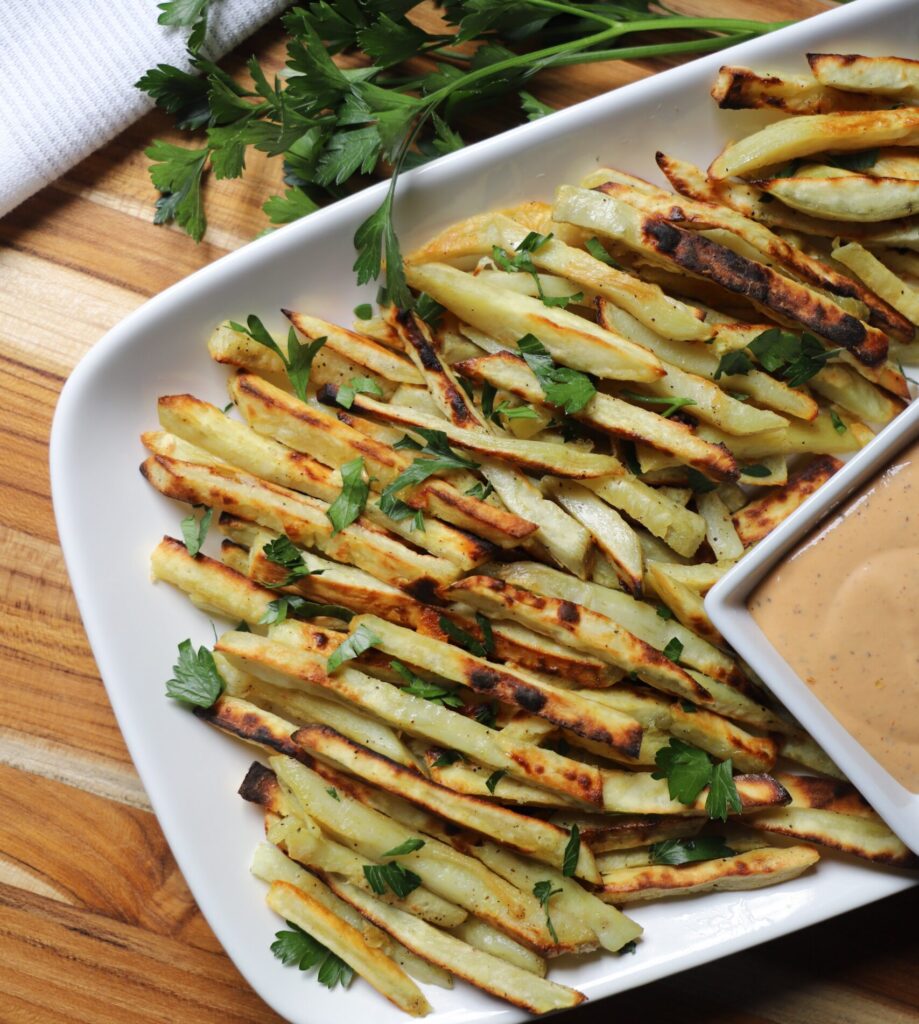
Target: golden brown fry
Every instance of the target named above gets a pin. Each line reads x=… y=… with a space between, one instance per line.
x=752 y=870
x=740 y=88
x=763 y=515
x=863 y=198
x=893 y=77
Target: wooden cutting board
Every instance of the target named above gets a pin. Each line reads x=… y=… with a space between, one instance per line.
x=96 y=923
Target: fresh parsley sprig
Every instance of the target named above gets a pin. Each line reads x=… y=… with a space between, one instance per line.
x=298 y=948
x=441 y=457
x=194 y=530
x=334 y=125
x=568 y=389
x=195 y=677
x=350 y=503
x=282 y=552
x=689 y=770
x=299 y=358
x=544 y=892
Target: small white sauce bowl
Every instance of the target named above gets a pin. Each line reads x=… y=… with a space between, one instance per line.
x=726 y=605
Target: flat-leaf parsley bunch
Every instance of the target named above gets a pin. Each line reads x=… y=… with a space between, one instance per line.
x=333 y=125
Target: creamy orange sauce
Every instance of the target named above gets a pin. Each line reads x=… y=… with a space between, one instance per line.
x=843 y=610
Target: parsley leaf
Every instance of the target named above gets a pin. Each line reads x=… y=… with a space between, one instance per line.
x=299 y=359
x=445 y=758
x=492 y=781
x=293 y=205
x=515 y=412
x=299 y=608
x=393 y=876
x=688 y=851
x=283 y=553
x=346 y=393
x=179 y=93
x=672 y=403
x=177 y=173
x=488 y=636
x=353 y=497
x=480 y=490
x=544 y=892
x=663 y=612
x=521 y=262
x=795 y=358
x=299 y=948
x=409 y=846
x=428 y=309
x=757 y=469
x=375 y=238
x=838 y=424
x=443 y=458
x=598 y=250
x=534 y=108
x=418 y=687
x=698 y=482
x=462 y=637
x=486 y=714
x=674 y=649
x=722 y=793
x=737 y=362
x=572 y=852
x=862 y=160
x=687 y=770
x=333 y=793
x=194 y=530
x=630 y=947
x=186 y=14
x=568 y=389
x=364 y=311
x=362 y=639
x=195 y=677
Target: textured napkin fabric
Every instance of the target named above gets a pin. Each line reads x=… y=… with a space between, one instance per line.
x=67 y=74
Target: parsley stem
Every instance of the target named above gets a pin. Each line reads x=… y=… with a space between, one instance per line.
x=652 y=50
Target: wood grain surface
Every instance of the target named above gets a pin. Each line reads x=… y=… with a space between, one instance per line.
x=96 y=923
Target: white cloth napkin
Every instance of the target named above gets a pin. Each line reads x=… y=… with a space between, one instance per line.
x=67 y=74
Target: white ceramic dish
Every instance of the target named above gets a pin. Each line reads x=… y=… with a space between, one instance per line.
x=109 y=519
x=726 y=604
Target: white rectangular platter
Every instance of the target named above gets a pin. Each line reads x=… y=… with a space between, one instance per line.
x=109 y=519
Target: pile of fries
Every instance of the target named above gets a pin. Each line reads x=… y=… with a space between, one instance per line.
x=474 y=681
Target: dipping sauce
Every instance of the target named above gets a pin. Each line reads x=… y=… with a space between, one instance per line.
x=843 y=610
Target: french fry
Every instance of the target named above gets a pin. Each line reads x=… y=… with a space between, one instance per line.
x=804 y=750
x=752 y=870
x=508 y=371
x=878 y=277
x=281 y=665
x=856 y=395
x=690 y=370
x=544 y=842
x=679 y=528
x=358 y=348
x=673 y=246
x=271 y=865
x=647 y=302
x=611 y=533
x=302 y=519
x=623 y=831
x=455 y=876
x=636 y=616
x=803 y=136
x=686 y=604
x=236 y=444
x=740 y=88
x=643 y=856
x=869 y=839
x=819 y=437
x=564 y=538
x=761 y=245
x=490 y=940
x=758 y=519
x=302 y=839
x=511 y=686
x=593 y=632
x=894 y=77
x=570 y=902
x=310 y=429
x=719 y=529
x=464 y=776
x=534 y=456
x=507 y=316
x=386 y=976
x=520 y=987
x=863 y=198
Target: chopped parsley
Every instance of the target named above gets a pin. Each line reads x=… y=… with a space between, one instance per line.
x=544 y=892
x=689 y=770
x=393 y=876
x=298 y=948
x=195 y=530
x=672 y=404
x=572 y=852
x=195 y=679
x=492 y=781
x=299 y=359
x=350 y=503
x=563 y=387
x=362 y=639
x=689 y=851
x=415 y=686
